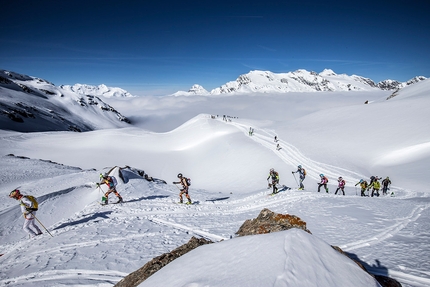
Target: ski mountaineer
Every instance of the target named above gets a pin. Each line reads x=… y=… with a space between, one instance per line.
x=323 y=182
x=110 y=181
x=28 y=208
x=275 y=180
x=385 y=183
x=341 y=185
x=363 y=185
x=375 y=185
x=184 y=182
x=302 y=174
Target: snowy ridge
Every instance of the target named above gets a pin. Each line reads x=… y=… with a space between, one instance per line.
x=299 y=81
x=31 y=104
x=96 y=245
x=100 y=90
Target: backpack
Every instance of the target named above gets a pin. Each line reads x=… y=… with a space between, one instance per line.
x=114 y=181
x=188 y=181
x=304 y=171
x=33 y=200
x=326 y=179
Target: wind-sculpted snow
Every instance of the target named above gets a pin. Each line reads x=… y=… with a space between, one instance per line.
x=98 y=245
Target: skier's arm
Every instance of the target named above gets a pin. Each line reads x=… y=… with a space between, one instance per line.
x=26 y=204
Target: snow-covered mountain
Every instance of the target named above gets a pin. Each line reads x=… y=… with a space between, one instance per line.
x=300 y=81
x=100 y=90
x=32 y=104
x=329 y=133
x=194 y=90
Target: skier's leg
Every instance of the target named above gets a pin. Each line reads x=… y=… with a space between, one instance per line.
x=34 y=226
x=187 y=195
x=26 y=226
x=118 y=195
x=180 y=196
x=107 y=196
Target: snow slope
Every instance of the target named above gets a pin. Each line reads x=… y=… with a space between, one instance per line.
x=96 y=245
x=29 y=104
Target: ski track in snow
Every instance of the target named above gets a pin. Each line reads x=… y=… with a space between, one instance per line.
x=160 y=211
x=388 y=232
x=110 y=276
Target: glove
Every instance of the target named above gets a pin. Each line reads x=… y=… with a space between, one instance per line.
x=292 y=172
x=98 y=184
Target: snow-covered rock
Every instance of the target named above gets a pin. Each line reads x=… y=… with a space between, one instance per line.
x=194 y=90
x=32 y=104
x=100 y=90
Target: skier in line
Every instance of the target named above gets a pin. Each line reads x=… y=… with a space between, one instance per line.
x=363 y=185
x=323 y=182
x=341 y=185
x=276 y=139
x=275 y=180
x=385 y=183
x=28 y=209
x=110 y=181
x=183 y=181
x=375 y=185
x=302 y=174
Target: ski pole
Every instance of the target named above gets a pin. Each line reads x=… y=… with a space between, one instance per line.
x=41 y=224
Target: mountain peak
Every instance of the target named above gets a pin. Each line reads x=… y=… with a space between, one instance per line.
x=100 y=90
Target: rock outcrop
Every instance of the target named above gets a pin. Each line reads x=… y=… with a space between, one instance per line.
x=268 y=221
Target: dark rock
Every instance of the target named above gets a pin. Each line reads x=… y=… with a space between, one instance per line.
x=140 y=275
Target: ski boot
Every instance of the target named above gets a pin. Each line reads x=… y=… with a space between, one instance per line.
x=104 y=200
x=120 y=200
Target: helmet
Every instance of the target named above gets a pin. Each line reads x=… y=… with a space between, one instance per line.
x=299 y=166
x=340 y=177
x=361 y=180
x=179 y=175
x=321 y=175
x=272 y=170
x=14 y=193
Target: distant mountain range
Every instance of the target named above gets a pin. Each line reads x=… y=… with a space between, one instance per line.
x=100 y=90
x=29 y=104
x=298 y=81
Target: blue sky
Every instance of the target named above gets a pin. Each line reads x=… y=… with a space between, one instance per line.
x=164 y=46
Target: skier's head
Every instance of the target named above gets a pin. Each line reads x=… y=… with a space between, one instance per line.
x=272 y=170
x=299 y=166
x=387 y=177
x=361 y=180
x=321 y=175
x=340 y=178
x=15 y=194
x=179 y=175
